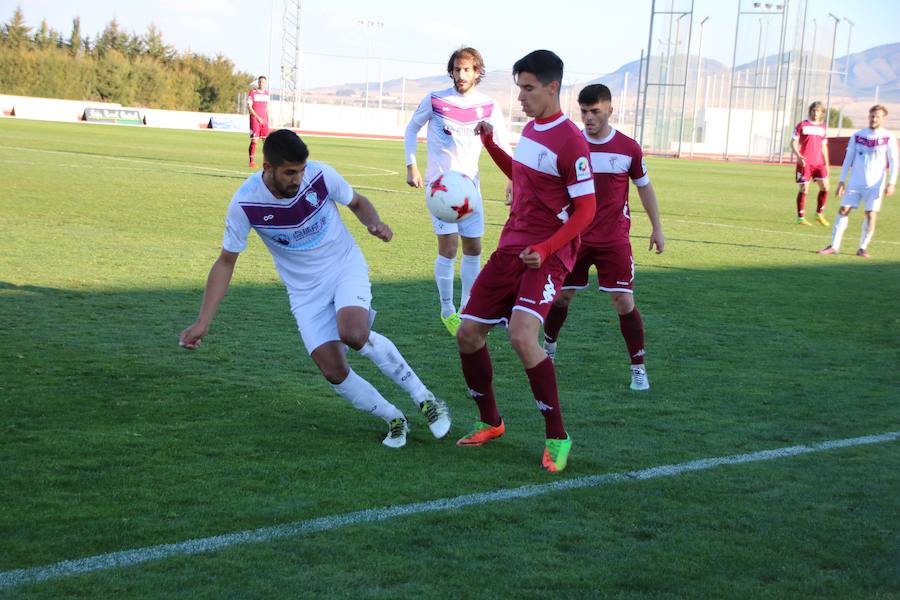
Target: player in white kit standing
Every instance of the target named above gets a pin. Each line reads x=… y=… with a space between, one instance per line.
x=292 y=205
x=453 y=145
x=869 y=152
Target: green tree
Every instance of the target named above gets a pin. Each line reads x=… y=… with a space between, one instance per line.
x=833 y=116
x=15 y=34
x=76 y=45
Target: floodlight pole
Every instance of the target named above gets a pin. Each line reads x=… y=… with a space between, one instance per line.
x=697 y=86
x=687 y=64
x=840 y=123
x=831 y=70
x=649 y=57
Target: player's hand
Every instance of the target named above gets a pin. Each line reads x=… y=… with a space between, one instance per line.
x=191 y=337
x=889 y=190
x=509 y=192
x=531 y=258
x=413 y=178
x=485 y=130
x=657 y=239
x=381 y=230
x=841 y=188
x=802 y=162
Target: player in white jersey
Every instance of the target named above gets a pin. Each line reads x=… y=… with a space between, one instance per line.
x=869 y=152
x=292 y=205
x=453 y=145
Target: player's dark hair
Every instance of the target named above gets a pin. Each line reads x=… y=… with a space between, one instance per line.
x=543 y=64
x=880 y=107
x=261 y=77
x=284 y=146
x=473 y=55
x=594 y=94
x=815 y=105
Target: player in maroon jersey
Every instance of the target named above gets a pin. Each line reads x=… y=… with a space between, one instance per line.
x=553 y=200
x=809 y=143
x=258 y=103
x=605 y=244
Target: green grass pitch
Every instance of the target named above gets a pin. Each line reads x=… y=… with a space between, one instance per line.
x=112 y=438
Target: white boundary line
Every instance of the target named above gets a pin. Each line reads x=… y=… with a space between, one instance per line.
x=128 y=558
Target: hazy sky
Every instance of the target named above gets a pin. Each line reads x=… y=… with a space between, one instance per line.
x=593 y=37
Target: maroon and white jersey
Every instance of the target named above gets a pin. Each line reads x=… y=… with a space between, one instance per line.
x=811 y=137
x=258 y=100
x=614 y=160
x=550 y=166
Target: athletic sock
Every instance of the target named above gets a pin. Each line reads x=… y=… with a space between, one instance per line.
x=542 y=378
x=554 y=322
x=632 y=327
x=479 y=374
x=865 y=236
x=801 y=204
x=363 y=396
x=837 y=231
x=389 y=361
x=252 y=151
x=469 y=267
x=443 y=276
x=821 y=199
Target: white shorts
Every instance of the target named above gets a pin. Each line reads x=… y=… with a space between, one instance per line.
x=472 y=227
x=316 y=310
x=871 y=197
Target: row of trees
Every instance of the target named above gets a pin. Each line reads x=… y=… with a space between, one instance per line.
x=114 y=66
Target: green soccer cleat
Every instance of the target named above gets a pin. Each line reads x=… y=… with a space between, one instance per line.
x=821 y=220
x=803 y=221
x=556 y=454
x=452 y=323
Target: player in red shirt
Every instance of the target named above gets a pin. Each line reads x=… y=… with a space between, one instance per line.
x=553 y=200
x=809 y=143
x=615 y=158
x=258 y=103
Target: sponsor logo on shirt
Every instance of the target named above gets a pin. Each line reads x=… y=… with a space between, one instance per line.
x=582 y=168
x=268 y=218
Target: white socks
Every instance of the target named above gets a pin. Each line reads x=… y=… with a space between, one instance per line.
x=388 y=359
x=469 y=267
x=837 y=232
x=363 y=396
x=443 y=275
x=865 y=235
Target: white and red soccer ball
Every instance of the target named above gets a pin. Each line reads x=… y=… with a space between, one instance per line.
x=453 y=197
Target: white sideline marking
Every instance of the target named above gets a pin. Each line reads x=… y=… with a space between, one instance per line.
x=128 y=558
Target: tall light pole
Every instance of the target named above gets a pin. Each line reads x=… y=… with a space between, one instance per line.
x=831 y=70
x=369 y=25
x=697 y=87
x=840 y=122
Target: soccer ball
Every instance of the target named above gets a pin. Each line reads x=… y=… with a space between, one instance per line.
x=453 y=197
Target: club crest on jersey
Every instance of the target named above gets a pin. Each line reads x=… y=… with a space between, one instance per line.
x=312 y=198
x=582 y=169
x=542 y=155
x=612 y=162
x=479 y=111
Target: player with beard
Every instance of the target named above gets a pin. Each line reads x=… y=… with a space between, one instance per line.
x=451 y=115
x=292 y=205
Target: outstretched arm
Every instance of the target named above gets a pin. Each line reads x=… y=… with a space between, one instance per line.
x=216 y=286
x=498 y=154
x=651 y=207
x=368 y=216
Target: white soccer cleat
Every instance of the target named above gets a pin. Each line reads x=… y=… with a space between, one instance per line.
x=639 y=379
x=550 y=349
x=396 y=437
x=437 y=414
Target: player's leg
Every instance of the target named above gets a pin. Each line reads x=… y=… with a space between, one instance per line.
x=445 y=271
x=632 y=327
x=822 y=198
x=470 y=230
x=352 y=299
x=534 y=298
x=840 y=225
x=252 y=151
x=868 y=230
x=802 y=175
x=488 y=306
x=576 y=280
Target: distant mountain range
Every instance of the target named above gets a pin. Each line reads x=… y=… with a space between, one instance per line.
x=876 y=67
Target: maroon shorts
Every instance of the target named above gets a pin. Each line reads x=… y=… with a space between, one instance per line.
x=807 y=172
x=258 y=128
x=505 y=284
x=615 y=268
